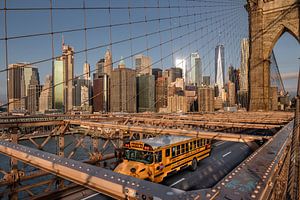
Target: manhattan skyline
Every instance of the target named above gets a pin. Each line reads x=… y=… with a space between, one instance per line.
x=164 y=55
x=33 y=49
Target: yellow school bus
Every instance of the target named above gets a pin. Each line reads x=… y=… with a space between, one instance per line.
x=155 y=158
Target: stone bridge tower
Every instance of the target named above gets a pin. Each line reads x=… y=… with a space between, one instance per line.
x=268 y=20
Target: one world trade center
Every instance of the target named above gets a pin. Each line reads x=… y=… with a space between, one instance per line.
x=219 y=68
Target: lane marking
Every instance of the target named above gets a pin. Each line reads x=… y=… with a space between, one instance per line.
x=88 y=197
x=219 y=143
x=177 y=182
x=226 y=154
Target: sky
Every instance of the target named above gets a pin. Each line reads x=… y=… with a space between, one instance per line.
x=185 y=27
x=287 y=52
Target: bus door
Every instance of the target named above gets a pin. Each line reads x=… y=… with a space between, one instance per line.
x=159 y=165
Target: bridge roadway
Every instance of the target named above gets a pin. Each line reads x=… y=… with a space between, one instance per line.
x=253 y=178
x=256 y=176
x=224 y=157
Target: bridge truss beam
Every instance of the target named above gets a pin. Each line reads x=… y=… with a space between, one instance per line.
x=127 y=129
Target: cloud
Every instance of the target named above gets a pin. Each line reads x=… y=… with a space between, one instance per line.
x=289 y=75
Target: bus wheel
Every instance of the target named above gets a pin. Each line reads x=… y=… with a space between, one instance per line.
x=194 y=165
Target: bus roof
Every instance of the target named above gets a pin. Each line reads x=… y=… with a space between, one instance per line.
x=164 y=140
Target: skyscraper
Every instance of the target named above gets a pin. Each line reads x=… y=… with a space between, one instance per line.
x=219 y=67
x=206 y=80
x=172 y=74
x=195 y=72
x=63 y=79
x=31 y=79
x=15 y=80
x=206 y=99
x=177 y=103
x=45 y=100
x=121 y=64
x=244 y=64
x=161 y=90
x=231 y=93
x=29 y=73
x=108 y=63
x=123 y=89
x=157 y=73
x=68 y=62
x=78 y=92
x=86 y=87
x=58 y=84
x=181 y=63
x=86 y=71
x=100 y=66
x=101 y=83
x=33 y=92
x=22 y=80
x=101 y=96
x=143 y=65
x=146 y=93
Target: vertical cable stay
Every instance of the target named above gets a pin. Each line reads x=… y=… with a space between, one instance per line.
x=120 y=41
x=85 y=33
x=187 y=25
x=110 y=28
x=160 y=37
x=6 y=53
x=52 y=44
x=130 y=33
x=171 y=32
x=231 y=25
x=146 y=27
x=158 y=61
x=153 y=47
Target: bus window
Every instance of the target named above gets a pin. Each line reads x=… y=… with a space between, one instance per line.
x=140 y=156
x=202 y=142
x=198 y=143
x=167 y=152
x=173 y=151
x=182 y=148
x=191 y=146
x=187 y=147
x=158 y=157
x=195 y=144
x=178 y=150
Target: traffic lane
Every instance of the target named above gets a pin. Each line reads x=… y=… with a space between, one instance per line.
x=225 y=156
x=209 y=171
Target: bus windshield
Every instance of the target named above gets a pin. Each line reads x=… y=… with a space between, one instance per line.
x=139 y=156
